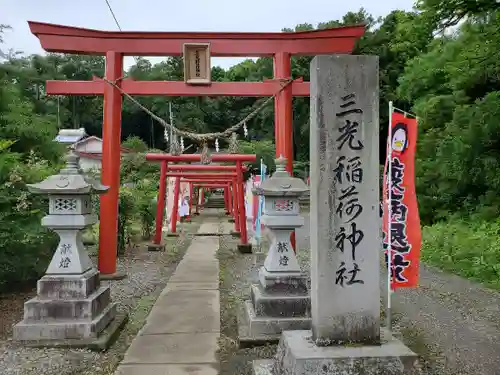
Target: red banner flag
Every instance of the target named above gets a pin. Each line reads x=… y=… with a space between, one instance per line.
x=406 y=236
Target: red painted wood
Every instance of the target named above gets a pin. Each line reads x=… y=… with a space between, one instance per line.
x=191 y=192
x=196 y=157
x=226 y=198
x=175 y=208
x=66 y=39
x=203 y=168
x=197 y=199
x=219 y=176
x=209 y=185
x=160 y=205
x=236 y=214
x=111 y=130
x=176 y=88
x=284 y=116
x=241 y=205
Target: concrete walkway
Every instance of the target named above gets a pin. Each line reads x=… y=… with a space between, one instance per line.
x=181 y=332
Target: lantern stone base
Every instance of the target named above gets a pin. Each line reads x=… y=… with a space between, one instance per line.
x=156 y=247
x=245 y=248
x=279 y=303
x=71 y=310
x=113 y=276
x=297 y=355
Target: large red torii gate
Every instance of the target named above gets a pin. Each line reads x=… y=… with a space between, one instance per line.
x=115 y=45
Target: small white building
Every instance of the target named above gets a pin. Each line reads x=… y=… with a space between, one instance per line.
x=89 y=149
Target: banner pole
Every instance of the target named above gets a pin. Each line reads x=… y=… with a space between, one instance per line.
x=389 y=221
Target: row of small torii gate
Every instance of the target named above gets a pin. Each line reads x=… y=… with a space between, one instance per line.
x=196 y=48
x=229 y=178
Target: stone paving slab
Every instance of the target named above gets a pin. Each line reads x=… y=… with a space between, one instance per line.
x=178 y=348
x=186 y=285
x=227 y=228
x=195 y=369
x=184 y=311
x=209 y=227
x=196 y=272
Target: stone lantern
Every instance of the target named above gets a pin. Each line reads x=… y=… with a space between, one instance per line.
x=281 y=300
x=71 y=307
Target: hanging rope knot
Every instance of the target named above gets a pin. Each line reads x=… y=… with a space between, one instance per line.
x=205 y=156
x=118 y=80
x=233 y=144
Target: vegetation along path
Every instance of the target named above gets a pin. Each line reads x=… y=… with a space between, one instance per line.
x=453 y=323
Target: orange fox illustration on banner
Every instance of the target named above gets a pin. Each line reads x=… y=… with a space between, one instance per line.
x=406 y=236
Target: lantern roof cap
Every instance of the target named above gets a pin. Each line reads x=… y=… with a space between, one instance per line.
x=281 y=183
x=69 y=180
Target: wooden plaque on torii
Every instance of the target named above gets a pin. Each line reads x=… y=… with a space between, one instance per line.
x=197 y=69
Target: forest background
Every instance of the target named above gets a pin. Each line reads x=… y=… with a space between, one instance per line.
x=440 y=61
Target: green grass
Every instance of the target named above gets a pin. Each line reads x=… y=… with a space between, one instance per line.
x=467 y=248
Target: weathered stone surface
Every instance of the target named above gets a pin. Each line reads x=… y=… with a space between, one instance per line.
x=184 y=311
x=263 y=367
x=214 y=285
x=209 y=227
x=285 y=305
x=345 y=242
x=283 y=282
x=260 y=326
x=145 y=369
x=64 y=329
x=68 y=286
x=179 y=348
x=298 y=355
x=70 y=306
x=196 y=272
x=78 y=309
x=102 y=342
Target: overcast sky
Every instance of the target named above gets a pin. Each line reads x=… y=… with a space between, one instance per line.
x=178 y=15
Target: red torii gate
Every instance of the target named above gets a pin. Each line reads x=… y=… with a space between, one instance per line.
x=115 y=45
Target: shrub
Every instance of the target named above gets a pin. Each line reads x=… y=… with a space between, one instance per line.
x=25 y=246
x=468 y=248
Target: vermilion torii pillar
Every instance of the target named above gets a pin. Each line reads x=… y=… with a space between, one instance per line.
x=115 y=45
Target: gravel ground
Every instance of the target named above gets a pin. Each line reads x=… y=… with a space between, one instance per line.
x=147 y=275
x=452 y=323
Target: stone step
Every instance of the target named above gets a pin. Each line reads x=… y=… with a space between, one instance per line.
x=64 y=329
x=269 y=326
x=279 y=305
x=37 y=309
x=62 y=287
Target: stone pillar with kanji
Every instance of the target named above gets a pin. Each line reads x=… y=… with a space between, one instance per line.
x=280 y=301
x=345 y=335
x=71 y=308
